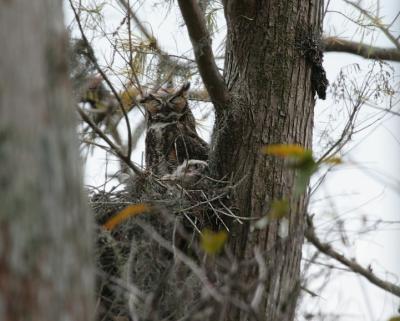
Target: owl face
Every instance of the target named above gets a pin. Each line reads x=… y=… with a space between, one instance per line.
x=167 y=106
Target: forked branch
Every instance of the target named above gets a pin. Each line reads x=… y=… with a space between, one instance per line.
x=377 y=22
x=115 y=149
x=351 y=264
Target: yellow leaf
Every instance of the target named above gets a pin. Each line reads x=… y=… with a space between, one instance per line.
x=395 y=318
x=127 y=212
x=333 y=160
x=213 y=242
x=285 y=150
x=279 y=209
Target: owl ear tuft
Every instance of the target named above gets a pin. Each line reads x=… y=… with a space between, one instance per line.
x=145 y=98
x=183 y=91
x=186 y=86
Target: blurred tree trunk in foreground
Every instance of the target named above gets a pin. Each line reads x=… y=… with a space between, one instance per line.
x=46 y=270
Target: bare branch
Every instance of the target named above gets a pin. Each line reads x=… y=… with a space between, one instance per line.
x=351 y=264
x=92 y=57
x=142 y=28
x=165 y=57
x=201 y=43
x=262 y=270
x=131 y=52
x=363 y=50
x=114 y=148
x=376 y=22
x=386 y=110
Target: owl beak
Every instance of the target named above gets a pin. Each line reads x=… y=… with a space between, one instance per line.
x=163 y=108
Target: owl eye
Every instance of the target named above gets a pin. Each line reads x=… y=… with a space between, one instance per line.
x=179 y=102
x=153 y=106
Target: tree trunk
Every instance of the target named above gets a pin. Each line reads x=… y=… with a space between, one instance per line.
x=272 y=102
x=46 y=270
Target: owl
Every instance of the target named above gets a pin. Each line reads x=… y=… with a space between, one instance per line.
x=188 y=173
x=171 y=137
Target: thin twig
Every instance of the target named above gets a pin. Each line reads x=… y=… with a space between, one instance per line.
x=262 y=277
x=142 y=28
x=131 y=51
x=113 y=147
x=92 y=57
x=375 y=20
x=189 y=262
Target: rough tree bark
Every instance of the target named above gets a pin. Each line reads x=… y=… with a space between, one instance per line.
x=46 y=270
x=272 y=102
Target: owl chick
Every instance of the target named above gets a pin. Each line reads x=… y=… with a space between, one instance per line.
x=188 y=173
x=171 y=131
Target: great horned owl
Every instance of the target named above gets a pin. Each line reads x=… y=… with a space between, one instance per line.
x=171 y=131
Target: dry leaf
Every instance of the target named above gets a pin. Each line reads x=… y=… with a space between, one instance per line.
x=127 y=212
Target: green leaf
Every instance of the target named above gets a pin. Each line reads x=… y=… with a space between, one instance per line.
x=279 y=209
x=332 y=160
x=305 y=166
x=298 y=158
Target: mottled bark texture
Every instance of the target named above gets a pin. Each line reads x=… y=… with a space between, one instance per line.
x=45 y=247
x=272 y=102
